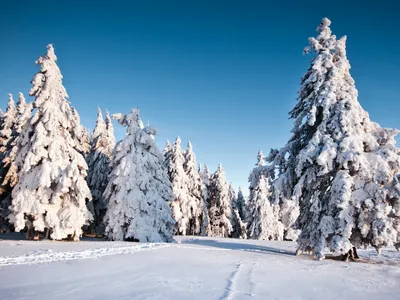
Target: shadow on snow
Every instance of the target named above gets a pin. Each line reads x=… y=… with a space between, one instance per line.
x=239 y=246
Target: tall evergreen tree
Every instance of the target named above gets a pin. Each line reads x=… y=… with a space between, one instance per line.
x=183 y=207
x=238 y=226
x=232 y=198
x=51 y=191
x=24 y=111
x=339 y=164
x=7 y=136
x=139 y=189
x=110 y=131
x=262 y=215
x=167 y=148
x=220 y=210
x=8 y=121
x=241 y=203
x=205 y=176
x=199 y=215
x=98 y=161
x=205 y=195
x=100 y=126
x=166 y=152
x=80 y=134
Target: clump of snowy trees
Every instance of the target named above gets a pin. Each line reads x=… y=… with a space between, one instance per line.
x=262 y=213
x=11 y=125
x=238 y=225
x=58 y=181
x=201 y=204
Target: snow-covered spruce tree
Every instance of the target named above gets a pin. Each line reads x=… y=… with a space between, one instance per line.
x=100 y=128
x=199 y=220
x=280 y=172
x=110 y=131
x=205 y=176
x=8 y=121
x=98 y=161
x=9 y=166
x=220 y=208
x=340 y=164
x=240 y=203
x=183 y=207
x=24 y=111
x=138 y=190
x=205 y=195
x=238 y=226
x=7 y=137
x=232 y=197
x=262 y=216
x=80 y=134
x=51 y=191
x=167 y=154
x=194 y=190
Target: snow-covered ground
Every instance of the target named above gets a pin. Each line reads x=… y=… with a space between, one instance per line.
x=192 y=268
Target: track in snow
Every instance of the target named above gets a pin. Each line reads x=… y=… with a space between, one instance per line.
x=47 y=256
x=240 y=282
x=230 y=287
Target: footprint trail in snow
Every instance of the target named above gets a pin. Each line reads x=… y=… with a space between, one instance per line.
x=51 y=256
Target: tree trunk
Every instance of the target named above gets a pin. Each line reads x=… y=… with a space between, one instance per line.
x=355 y=254
x=351 y=255
x=29 y=233
x=46 y=234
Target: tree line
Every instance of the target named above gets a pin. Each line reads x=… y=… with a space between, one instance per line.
x=335 y=184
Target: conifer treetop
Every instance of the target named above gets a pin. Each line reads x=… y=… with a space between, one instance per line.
x=11 y=103
x=260 y=159
x=178 y=141
x=100 y=125
x=110 y=130
x=21 y=103
x=8 y=121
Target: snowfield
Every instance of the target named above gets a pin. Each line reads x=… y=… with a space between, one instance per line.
x=192 y=268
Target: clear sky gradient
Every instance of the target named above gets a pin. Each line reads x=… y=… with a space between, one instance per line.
x=223 y=74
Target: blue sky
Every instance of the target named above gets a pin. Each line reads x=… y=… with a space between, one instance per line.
x=223 y=74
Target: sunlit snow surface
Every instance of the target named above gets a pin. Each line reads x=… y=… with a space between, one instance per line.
x=192 y=268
